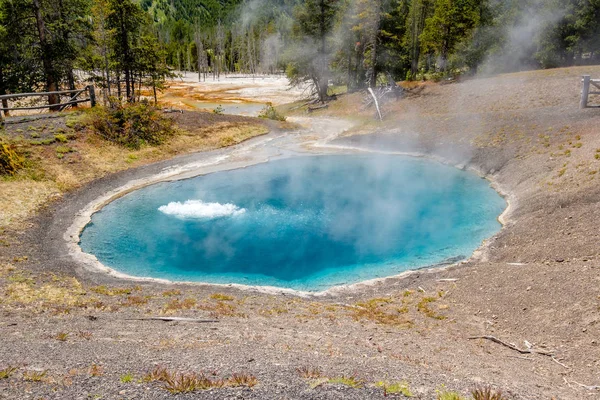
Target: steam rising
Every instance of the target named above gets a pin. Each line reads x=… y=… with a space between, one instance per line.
x=197 y=209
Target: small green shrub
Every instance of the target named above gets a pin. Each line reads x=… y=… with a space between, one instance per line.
x=63 y=150
x=62 y=138
x=219 y=110
x=350 y=381
x=7 y=372
x=127 y=378
x=443 y=394
x=10 y=161
x=269 y=112
x=132 y=125
x=395 y=388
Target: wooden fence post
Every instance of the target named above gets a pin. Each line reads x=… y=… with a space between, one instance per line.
x=92 y=92
x=586 y=91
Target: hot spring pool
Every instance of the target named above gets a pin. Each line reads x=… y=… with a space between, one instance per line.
x=305 y=223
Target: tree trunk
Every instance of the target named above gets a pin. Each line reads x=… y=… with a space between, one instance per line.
x=65 y=35
x=3 y=92
x=51 y=84
x=126 y=57
x=119 y=92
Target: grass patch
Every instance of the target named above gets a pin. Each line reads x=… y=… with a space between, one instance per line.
x=96 y=370
x=423 y=306
x=127 y=378
x=309 y=372
x=61 y=336
x=35 y=376
x=7 y=372
x=395 y=388
x=10 y=161
x=134 y=301
x=103 y=290
x=443 y=394
x=221 y=309
x=178 y=382
x=350 y=381
x=221 y=297
x=176 y=304
x=488 y=393
x=61 y=138
x=376 y=310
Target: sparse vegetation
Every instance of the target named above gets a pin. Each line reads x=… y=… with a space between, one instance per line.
x=96 y=370
x=395 y=388
x=443 y=394
x=127 y=378
x=61 y=137
x=309 y=372
x=221 y=297
x=62 y=336
x=487 y=393
x=114 y=291
x=34 y=376
x=176 y=304
x=269 y=112
x=10 y=161
x=374 y=310
x=350 y=381
x=423 y=306
x=180 y=382
x=7 y=372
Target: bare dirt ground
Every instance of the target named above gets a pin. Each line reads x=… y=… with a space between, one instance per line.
x=74 y=334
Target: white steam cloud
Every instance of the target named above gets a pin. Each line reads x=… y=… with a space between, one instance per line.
x=197 y=209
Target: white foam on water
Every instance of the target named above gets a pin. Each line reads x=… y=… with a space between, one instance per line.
x=197 y=209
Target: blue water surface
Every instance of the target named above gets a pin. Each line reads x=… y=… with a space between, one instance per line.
x=306 y=223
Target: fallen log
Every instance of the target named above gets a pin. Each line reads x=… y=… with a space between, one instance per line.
x=311 y=109
x=174 y=319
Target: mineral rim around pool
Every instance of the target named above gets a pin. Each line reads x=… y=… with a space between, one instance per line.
x=306 y=223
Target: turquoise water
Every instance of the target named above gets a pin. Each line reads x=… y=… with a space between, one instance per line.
x=306 y=223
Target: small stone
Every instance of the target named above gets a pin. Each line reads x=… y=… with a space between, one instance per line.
x=528 y=288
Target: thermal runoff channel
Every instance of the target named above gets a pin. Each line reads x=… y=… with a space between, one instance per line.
x=306 y=223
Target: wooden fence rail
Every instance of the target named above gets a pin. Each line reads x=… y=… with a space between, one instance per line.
x=73 y=100
x=588 y=83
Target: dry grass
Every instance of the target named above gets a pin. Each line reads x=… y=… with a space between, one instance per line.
x=221 y=297
x=7 y=372
x=309 y=372
x=381 y=311
x=187 y=382
x=487 y=393
x=177 y=305
x=96 y=370
x=53 y=167
x=35 y=376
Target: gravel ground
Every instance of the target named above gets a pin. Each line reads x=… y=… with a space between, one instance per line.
x=535 y=283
